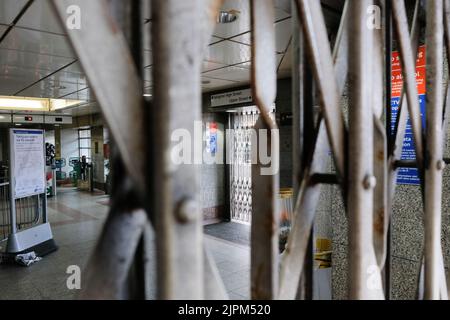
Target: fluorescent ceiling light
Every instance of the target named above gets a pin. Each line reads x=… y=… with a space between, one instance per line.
x=58 y=104
x=147 y=95
x=35 y=104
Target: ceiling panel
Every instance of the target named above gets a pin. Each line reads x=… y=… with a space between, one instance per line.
x=228 y=52
x=209 y=84
x=89 y=108
x=285 y=67
x=15 y=79
x=2 y=29
x=9 y=9
x=248 y=64
x=230 y=73
x=215 y=39
x=29 y=60
x=40 y=16
x=52 y=89
x=243 y=38
x=209 y=65
x=241 y=25
x=69 y=77
x=75 y=68
x=37 y=42
x=282 y=9
x=84 y=94
x=37 y=46
x=283 y=33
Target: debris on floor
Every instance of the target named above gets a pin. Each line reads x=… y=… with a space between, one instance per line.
x=27 y=259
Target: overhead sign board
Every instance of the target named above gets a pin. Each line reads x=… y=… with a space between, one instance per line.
x=27 y=162
x=58 y=119
x=28 y=118
x=408 y=175
x=4 y=117
x=232 y=97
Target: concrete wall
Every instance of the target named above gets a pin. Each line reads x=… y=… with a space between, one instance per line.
x=213 y=182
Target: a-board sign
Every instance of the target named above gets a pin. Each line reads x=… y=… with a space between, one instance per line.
x=232 y=97
x=408 y=175
x=27 y=162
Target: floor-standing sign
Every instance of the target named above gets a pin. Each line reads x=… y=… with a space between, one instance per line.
x=408 y=175
x=27 y=178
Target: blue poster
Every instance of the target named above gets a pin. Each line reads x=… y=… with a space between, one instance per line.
x=408 y=175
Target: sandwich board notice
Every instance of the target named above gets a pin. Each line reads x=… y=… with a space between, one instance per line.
x=408 y=175
x=27 y=163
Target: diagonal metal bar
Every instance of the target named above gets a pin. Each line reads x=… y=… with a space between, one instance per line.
x=395 y=150
x=306 y=203
x=302 y=127
x=214 y=286
x=106 y=273
x=400 y=125
x=447 y=46
x=108 y=268
x=264 y=229
x=444 y=281
x=362 y=261
x=409 y=75
x=320 y=54
x=380 y=218
x=435 y=164
x=177 y=50
x=120 y=100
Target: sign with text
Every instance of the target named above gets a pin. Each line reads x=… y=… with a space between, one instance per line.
x=211 y=137
x=233 y=97
x=27 y=163
x=408 y=175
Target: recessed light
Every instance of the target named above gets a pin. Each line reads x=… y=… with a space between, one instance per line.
x=35 y=104
x=227 y=16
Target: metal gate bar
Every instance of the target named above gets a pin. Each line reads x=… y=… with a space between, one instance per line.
x=28 y=211
x=366 y=162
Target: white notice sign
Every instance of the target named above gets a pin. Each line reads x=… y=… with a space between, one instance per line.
x=27 y=162
x=233 y=97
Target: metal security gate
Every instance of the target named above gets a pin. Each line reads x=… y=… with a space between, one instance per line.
x=240 y=168
x=240 y=148
x=366 y=152
x=28 y=212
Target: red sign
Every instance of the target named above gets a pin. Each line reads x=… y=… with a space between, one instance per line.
x=397 y=77
x=213 y=127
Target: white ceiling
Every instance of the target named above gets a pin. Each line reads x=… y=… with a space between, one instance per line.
x=36 y=58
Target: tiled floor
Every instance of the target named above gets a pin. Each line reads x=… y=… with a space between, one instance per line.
x=77 y=219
